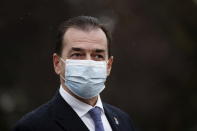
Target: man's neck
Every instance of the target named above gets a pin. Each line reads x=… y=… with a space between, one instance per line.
x=91 y=101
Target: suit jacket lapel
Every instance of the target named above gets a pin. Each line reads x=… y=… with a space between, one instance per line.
x=112 y=118
x=65 y=116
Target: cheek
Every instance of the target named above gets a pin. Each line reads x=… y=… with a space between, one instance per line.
x=62 y=68
x=108 y=66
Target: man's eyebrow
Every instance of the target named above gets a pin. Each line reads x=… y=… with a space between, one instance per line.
x=99 y=50
x=77 y=49
x=81 y=49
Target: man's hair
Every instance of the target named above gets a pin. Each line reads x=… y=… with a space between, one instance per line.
x=85 y=23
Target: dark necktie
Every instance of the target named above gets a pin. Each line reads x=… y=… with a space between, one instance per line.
x=95 y=113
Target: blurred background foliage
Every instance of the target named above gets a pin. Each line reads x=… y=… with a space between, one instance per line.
x=154 y=76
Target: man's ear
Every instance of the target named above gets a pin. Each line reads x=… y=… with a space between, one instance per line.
x=109 y=65
x=57 y=64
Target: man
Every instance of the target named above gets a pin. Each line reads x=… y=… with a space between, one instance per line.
x=83 y=61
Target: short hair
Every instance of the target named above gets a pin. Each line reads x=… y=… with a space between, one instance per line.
x=85 y=23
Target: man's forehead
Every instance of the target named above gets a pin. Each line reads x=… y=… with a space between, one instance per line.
x=75 y=35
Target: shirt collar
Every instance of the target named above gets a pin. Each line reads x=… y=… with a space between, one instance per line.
x=78 y=106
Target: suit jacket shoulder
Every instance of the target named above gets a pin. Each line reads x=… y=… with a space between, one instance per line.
x=57 y=115
x=40 y=117
x=119 y=120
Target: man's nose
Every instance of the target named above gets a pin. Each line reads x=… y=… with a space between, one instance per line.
x=88 y=57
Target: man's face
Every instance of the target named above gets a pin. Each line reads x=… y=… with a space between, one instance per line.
x=83 y=45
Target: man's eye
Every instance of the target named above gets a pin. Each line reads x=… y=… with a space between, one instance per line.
x=76 y=55
x=99 y=57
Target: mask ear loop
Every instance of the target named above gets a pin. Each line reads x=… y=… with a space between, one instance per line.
x=62 y=59
x=64 y=63
x=62 y=77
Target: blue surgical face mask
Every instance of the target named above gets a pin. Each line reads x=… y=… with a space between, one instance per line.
x=85 y=78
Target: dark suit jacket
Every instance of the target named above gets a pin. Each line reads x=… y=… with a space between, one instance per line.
x=57 y=115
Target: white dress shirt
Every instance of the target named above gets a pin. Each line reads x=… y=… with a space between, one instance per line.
x=82 y=109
